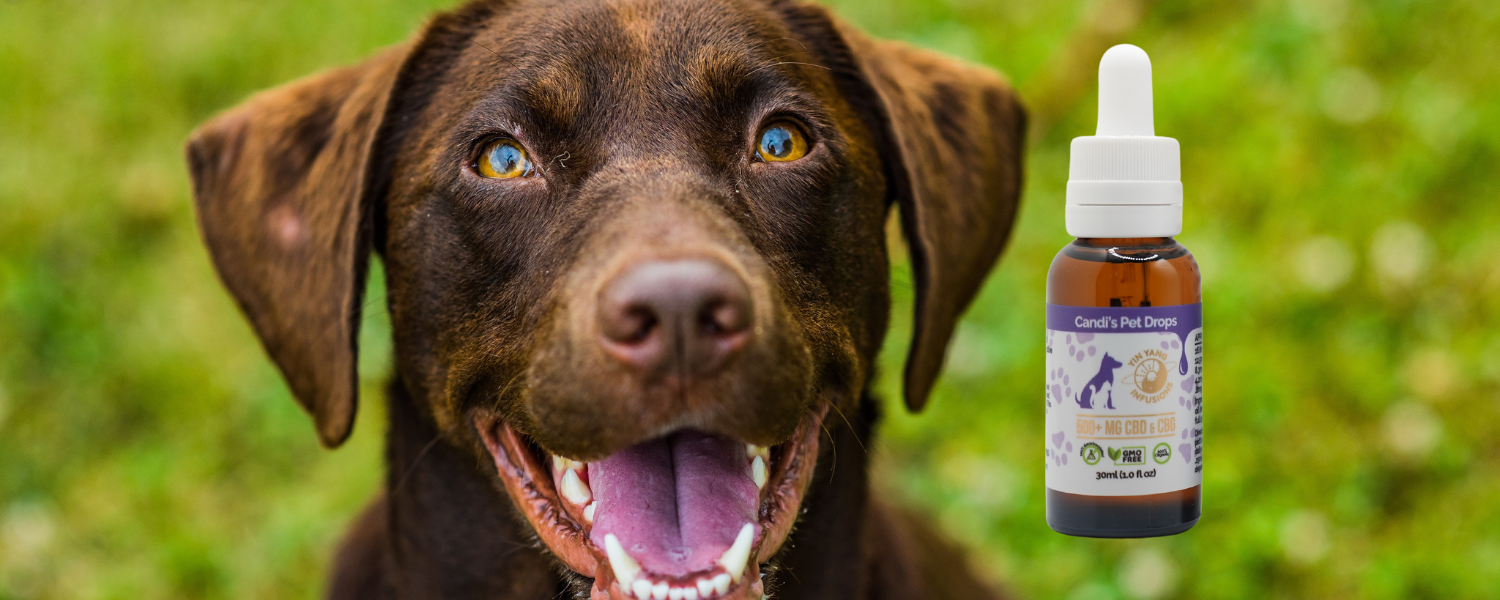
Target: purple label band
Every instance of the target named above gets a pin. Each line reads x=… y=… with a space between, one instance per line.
x=1179 y=320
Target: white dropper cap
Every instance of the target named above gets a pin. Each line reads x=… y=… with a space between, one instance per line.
x=1124 y=181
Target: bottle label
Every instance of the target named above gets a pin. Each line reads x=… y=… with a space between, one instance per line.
x=1124 y=399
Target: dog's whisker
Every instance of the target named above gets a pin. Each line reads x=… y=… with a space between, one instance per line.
x=492 y=51
x=505 y=389
x=412 y=468
x=793 y=62
x=780 y=39
x=852 y=431
x=794 y=40
x=786 y=62
x=833 y=447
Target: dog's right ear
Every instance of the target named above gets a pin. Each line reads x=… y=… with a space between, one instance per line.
x=280 y=185
x=951 y=136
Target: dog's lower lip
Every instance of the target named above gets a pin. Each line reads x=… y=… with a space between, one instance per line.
x=553 y=494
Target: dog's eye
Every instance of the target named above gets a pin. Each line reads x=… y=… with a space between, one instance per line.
x=504 y=158
x=781 y=141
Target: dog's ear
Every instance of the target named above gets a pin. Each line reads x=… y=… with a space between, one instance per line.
x=280 y=185
x=952 y=135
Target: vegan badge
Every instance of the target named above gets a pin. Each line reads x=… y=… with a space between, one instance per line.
x=1091 y=453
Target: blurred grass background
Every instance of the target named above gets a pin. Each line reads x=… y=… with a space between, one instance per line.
x=1339 y=159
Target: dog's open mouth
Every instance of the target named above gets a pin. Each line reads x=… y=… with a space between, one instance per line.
x=687 y=516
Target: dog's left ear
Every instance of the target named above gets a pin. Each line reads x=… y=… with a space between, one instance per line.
x=280 y=187
x=952 y=137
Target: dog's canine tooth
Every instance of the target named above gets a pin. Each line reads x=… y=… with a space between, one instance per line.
x=574 y=489
x=758 y=472
x=721 y=583
x=705 y=588
x=625 y=567
x=733 y=560
x=588 y=512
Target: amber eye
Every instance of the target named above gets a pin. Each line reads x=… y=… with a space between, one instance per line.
x=781 y=141
x=503 y=159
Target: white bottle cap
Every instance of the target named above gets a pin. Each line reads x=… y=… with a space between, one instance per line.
x=1124 y=181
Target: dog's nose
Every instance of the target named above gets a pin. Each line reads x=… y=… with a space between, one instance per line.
x=683 y=317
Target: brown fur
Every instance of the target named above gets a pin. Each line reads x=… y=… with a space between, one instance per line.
x=640 y=117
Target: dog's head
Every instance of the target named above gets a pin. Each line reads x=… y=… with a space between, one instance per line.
x=635 y=251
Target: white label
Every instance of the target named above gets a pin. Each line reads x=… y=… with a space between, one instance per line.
x=1124 y=399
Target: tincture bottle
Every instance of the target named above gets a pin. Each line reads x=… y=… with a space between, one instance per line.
x=1124 y=329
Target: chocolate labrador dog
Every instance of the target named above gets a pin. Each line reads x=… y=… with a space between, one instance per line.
x=637 y=282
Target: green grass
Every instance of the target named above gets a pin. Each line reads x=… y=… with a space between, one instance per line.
x=1338 y=159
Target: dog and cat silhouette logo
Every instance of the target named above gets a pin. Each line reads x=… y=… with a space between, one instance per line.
x=1105 y=378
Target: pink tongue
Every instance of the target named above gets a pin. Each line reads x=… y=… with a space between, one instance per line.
x=675 y=503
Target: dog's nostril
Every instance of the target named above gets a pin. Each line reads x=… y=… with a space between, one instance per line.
x=723 y=318
x=632 y=323
x=639 y=321
x=685 y=314
x=710 y=322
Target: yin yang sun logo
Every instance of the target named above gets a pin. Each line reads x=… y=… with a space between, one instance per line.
x=1149 y=376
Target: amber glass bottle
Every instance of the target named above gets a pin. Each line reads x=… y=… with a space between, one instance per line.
x=1124 y=425
x=1126 y=273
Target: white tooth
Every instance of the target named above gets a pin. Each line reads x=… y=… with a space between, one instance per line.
x=690 y=593
x=574 y=489
x=705 y=588
x=642 y=589
x=659 y=591
x=721 y=583
x=588 y=512
x=559 y=462
x=735 y=557
x=752 y=450
x=675 y=594
x=758 y=472
x=625 y=567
